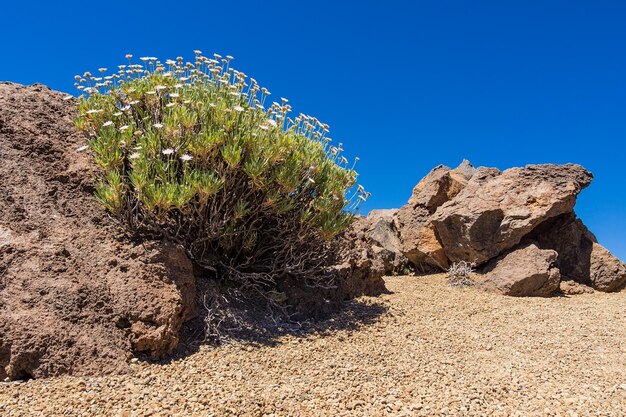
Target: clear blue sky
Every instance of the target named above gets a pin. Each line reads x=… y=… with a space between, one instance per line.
x=404 y=85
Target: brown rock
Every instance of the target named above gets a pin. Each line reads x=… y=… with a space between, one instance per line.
x=607 y=273
x=526 y=271
x=76 y=295
x=581 y=257
x=420 y=243
x=384 y=238
x=495 y=211
x=574 y=288
x=359 y=271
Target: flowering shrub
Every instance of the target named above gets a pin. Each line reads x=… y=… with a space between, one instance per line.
x=192 y=152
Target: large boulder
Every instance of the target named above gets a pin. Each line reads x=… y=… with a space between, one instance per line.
x=581 y=258
x=496 y=210
x=420 y=244
x=526 y=271
x=76 y=294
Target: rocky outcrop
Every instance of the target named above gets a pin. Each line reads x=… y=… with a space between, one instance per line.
x=478 y=214
x=526 y=271
x=493 y=214
x=419 y=241
x=76 y=295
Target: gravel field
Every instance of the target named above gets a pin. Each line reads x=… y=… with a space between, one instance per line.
x=426 y=349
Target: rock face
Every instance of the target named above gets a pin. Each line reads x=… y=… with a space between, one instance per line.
x=526 y=271
x=494 y=212
x=76 y=295
x=419 y=240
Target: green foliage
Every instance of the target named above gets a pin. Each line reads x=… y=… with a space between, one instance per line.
x=191 y=151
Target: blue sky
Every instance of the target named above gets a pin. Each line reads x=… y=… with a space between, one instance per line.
x=404 y=85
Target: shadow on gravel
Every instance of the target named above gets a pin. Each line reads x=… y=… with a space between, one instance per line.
x=244 y=322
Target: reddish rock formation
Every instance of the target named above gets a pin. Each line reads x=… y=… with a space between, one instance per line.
x=76 y=295
x=493 y=213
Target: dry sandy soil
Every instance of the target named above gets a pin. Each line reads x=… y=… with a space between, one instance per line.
x=425 y=349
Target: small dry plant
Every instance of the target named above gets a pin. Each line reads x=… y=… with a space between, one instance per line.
x=459 y=274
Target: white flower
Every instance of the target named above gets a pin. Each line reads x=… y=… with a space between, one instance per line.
x=160 y=87
x=157 y=125
x=109 y=123
x=117 y=114
x=83 y=148
x=264 y=127
x=170 y=104
x=272 y=122
x=186 y=157
x=132 y=103
x=94 y=111
x=102 y=69
x=134 y=155
x=238 y=108
x=178 y=86
x=123 y=128
x=67 y=98
x=284 y=100
x=174 y=95
x=168 y=151
x=128 y=56
x=145 y=58
x=362 y=198
x=151 y=93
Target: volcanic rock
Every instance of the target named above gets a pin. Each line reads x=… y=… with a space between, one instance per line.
x=384 y=239
x=526 y=271
x=420 y=243
x=76 y=294
x=607 y=273
x=495 y=211
x=581 y=258
x=359 y=270
x=574 y=288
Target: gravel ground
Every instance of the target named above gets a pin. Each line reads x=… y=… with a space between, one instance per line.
x=425 y=349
